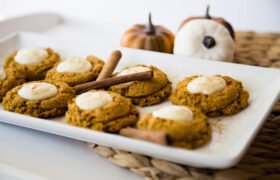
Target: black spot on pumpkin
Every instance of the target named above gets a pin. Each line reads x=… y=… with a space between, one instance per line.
x=209 y=42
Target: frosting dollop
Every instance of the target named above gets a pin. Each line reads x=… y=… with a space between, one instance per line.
x=175 y=113
x=93 y=100
x=3 y=74
x=132 y=70
x=206 y=84
x=31 y=56
x=74 y=65
x=38 y=91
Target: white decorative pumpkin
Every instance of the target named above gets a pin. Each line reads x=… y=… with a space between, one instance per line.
x=206 y=39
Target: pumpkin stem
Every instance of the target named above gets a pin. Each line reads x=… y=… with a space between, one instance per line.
x=150 y=30
x=207 y=16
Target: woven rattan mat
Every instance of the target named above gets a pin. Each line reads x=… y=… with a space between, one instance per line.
x=262 y=160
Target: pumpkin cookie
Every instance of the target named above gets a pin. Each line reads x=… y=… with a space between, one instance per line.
x=214 y=95
x=76 y=70
x=240 y=103
x=39 y=99
x=186 y=127
x=102 y=111
x=144 y=93
x=34 y=62
x=9 y=79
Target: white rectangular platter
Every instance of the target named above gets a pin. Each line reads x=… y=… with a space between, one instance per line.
x=231 y=135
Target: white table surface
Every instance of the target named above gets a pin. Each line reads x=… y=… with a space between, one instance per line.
x=25 y=155
x=24 y=152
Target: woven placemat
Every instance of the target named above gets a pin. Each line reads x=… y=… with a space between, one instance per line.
x=262 y=160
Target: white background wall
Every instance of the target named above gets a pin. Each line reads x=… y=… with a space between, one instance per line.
x=259 y=15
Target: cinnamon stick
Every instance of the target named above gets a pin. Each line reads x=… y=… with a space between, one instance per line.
x=151 y=136
x=110 y=65
x=113 y=81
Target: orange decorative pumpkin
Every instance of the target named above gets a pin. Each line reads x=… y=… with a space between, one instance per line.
x=217 y=19
x=149 y=37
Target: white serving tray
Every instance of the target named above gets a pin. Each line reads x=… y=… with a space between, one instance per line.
x=231 y=135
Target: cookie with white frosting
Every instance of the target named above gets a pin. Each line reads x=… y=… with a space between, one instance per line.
x=76 y=70
x=185 y=127
x=34 y=62
x=101 y=110
x=215 y=95
x=9 y=79
x=39 y=99
x=144 y=93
